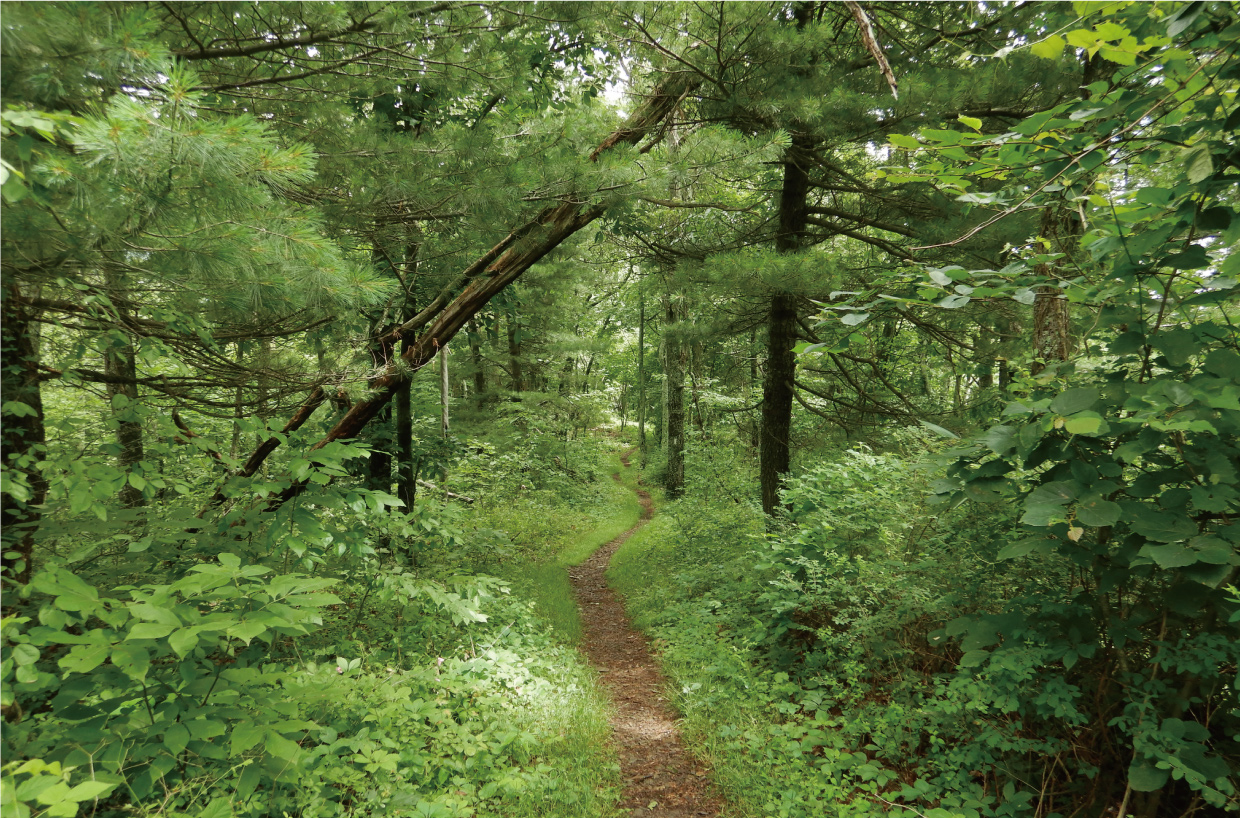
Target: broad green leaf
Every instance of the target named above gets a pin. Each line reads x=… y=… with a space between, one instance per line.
x=1171 y=555
x=149 y=630
x=852 y=319
x=1162 y=526
x=280 y=747
x=1096 y=511
x=84 y=658
x=1086 y=423
x=244 y=736
x=1071 y=401
x=89 y=791
x=970 y=121
x=939 y=430
x=1049 y=49
x=175 y=738
x=1145 y=777
x=1000 y=439
x=1057 y=492
x=183 y=640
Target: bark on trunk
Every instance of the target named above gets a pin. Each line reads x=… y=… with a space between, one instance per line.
x=443 y=392
x=120 y=362
x=475 y=350
x=1052 y=339
x=775 y=457
x=23 y=438
x=674 y=373
x=641 y=375
x=514 y=354
x=405 y=487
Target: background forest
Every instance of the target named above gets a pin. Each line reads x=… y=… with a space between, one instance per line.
x=324 y=325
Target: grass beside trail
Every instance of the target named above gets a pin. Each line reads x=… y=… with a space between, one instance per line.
x=546 y=580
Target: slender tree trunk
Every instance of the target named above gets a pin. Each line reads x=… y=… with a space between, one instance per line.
x=475 y=350
x=1051 y=320
x=405 y=487
x=514 y=353
x=120 y=361
x=775 y=457
x=443 y=391
x=641 y=374
x=23 y=438
x=674 y=378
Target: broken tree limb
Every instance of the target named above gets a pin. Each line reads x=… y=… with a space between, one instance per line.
x=871 y=45
x=498 y=268
x=251 y=467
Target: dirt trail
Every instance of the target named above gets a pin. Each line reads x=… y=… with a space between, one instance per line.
x=660 y=777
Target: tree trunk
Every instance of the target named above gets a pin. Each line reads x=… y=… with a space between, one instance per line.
x=475 y=350
x=775 y=457
x=23 y=438
x=641 y=374
x=443 y=391
x=514 y=353
x=1051 y=320
x=120 y=362
x=674 y=378
x=406 y=489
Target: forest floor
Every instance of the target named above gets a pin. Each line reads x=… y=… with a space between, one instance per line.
x=660 y=777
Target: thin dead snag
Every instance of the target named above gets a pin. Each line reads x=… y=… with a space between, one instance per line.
x=485 y=278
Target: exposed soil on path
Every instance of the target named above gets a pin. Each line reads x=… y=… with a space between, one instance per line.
x=660 y=777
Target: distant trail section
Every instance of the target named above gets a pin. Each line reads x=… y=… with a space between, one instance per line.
x=660 y=777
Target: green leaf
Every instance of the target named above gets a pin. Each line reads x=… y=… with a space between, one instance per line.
x=84 y=658
x=89 y=791
x=970 y=121
x=1145 y=777
x=280 y=747
x=149 y=630
x=175 y=738
x=183 y=640
x=1096 y=511
x=1000 y=439
x=1172 y=555
x=1198 y=164
x=939 y=430
x=1162 y=526
x=1071 y=401
x=852 y=319
x=244 y=736
x=1086 y=423
x=1043 y=514
x=1049 y=49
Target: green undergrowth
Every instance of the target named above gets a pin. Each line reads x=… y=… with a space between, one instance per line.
x=426 y=678
x=547 y=535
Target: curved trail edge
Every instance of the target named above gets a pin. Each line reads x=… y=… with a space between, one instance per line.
x=660 y=777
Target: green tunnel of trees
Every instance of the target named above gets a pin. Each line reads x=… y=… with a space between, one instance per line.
x=939 y=297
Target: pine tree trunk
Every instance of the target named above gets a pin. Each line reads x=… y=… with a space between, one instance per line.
x=775 y=457
x=23 y=438
x=475 y=350
x=641 y=375
x=514 y=353
x=674 y=377
x=120 y=362
x=405 y=487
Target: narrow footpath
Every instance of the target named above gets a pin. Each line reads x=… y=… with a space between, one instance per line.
x=660 y=777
